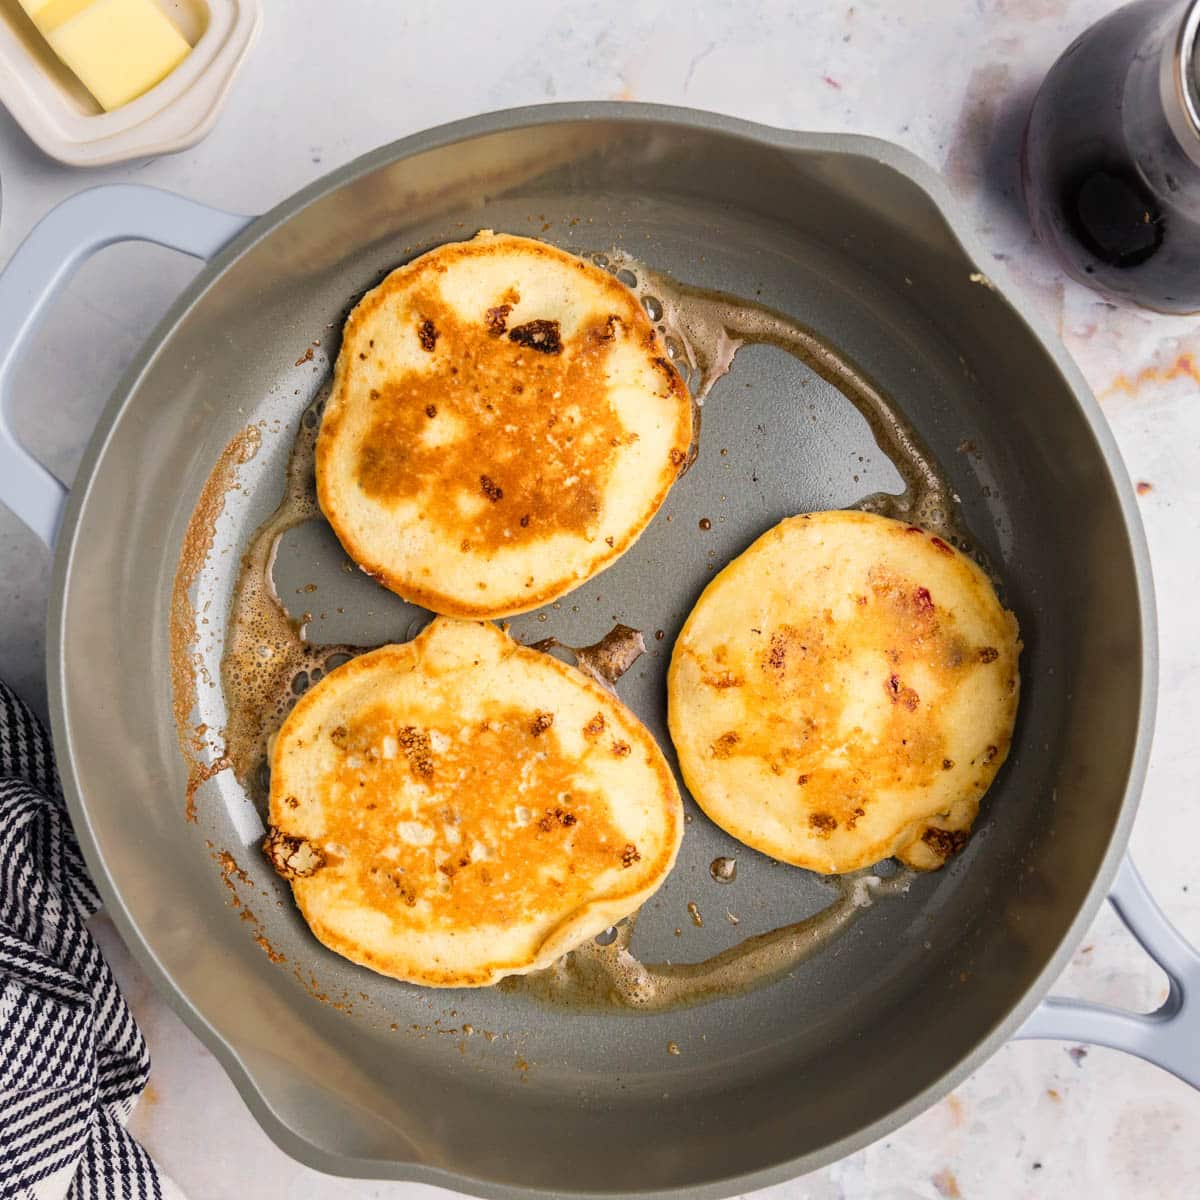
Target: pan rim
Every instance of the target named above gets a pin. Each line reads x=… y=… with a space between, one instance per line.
x=907 y=165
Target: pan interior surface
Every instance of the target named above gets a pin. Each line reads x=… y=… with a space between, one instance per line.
x=493 y=1090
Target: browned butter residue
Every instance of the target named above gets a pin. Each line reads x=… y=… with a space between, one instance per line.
x=608 y=659
x=704 y=330
x=267 y=663
x=611 y=976
x=234 y=878
x=198 y=541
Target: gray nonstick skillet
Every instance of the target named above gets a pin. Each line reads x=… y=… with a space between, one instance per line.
x=497 y=1093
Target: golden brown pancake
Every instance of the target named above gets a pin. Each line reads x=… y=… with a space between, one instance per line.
x=461 y=808
x=504 y=422
x=845 y=690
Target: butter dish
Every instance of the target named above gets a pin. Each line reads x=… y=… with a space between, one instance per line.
x=64 y=120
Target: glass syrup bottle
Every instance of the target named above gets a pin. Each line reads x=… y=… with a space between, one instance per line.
x=1111 y=158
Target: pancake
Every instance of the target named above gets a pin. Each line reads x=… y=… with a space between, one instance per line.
x=504 y=422
x=845 y=691
x=461 y=808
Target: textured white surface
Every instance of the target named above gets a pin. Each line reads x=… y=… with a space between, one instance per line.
x=949 y=79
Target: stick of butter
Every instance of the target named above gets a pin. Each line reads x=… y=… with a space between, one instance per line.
x=118 y=48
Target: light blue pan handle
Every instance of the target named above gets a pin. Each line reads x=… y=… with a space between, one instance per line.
x=1169 y=1036
x=70 y=233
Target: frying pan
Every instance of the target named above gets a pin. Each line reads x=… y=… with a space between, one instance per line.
x=360 y=1075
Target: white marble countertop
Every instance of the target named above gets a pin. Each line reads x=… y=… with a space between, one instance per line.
x=950 y=80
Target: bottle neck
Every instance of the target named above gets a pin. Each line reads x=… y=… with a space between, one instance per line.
x=1179 y=76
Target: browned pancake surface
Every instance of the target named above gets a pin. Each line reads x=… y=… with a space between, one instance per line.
x=843 y=691
x=460 y=808
x=504 y=422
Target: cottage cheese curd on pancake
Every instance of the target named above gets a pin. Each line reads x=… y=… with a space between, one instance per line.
x=461 y=808
x=504 y=422
x=844 y=691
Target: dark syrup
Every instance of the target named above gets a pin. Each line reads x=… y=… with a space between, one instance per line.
x=1109 y=164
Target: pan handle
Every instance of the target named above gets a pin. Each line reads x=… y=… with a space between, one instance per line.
x=58 y=244
x=1169 y=1036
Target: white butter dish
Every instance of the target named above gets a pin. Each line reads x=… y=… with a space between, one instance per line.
x=58 y=113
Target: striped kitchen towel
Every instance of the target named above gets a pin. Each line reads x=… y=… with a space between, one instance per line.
x=72 y=1060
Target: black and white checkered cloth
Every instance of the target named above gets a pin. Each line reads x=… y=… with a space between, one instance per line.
x=72 y=1060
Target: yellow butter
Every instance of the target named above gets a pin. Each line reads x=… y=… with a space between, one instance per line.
x=118 y=48
x=48 y=14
